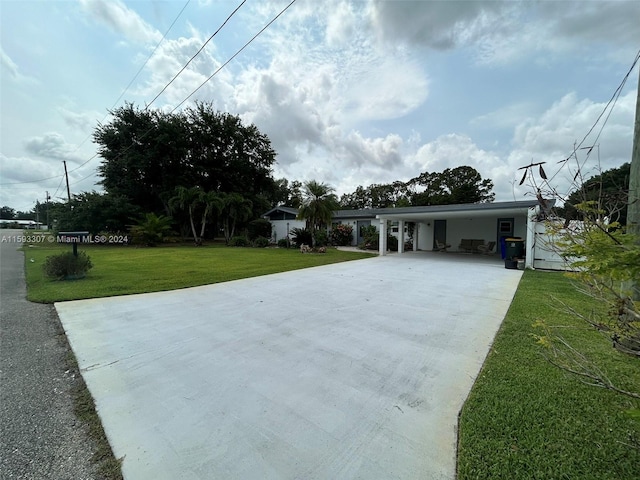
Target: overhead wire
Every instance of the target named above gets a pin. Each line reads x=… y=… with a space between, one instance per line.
x=234 y=55
x=116 y=102
x=194 y=91
x=209 y=78
x=133 y=80
x=196 y=54
x=612 y=102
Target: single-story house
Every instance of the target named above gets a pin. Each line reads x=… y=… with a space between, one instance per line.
x=457 y=226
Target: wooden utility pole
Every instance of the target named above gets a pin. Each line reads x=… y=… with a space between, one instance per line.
x=633 y=208
x=66 y=175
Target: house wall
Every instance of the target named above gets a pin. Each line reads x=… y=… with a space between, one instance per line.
x=280 y=228
x=484 y=228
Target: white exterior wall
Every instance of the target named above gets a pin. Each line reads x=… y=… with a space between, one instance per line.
x=480 y=228
x=279 y=228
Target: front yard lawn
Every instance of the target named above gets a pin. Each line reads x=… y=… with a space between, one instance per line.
x=527 y=419
x=123 y=270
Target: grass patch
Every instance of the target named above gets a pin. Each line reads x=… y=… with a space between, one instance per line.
x=124 y=270
x=108 y=466
x=526 y=419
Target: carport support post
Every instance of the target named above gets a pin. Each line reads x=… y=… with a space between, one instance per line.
x=382 y=237
x=532 y=214
x=400 y=236
x=416 y=229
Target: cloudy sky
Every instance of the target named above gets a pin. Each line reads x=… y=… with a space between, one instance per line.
x=349 y=92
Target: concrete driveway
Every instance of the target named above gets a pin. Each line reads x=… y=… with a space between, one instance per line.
x=354 y=370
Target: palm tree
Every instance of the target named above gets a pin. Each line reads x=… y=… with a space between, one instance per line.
x=318 y=203
x=152 y=228
x=187 y=199
x=235 y=208
x=212 y=203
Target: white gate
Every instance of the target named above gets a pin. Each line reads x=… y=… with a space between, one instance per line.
x=546 y=254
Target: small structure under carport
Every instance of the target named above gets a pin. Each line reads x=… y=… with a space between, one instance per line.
x=450 y=224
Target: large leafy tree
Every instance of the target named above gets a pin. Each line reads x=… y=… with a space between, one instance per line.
x=287 y=193
x=607 y=192
x=318 y=203
x=94 y=212
x=452 y=186
x=7 y=213
x=147 y=154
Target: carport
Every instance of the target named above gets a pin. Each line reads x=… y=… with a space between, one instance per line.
x=453 y=223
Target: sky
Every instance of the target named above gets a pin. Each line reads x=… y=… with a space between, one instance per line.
x=349 y=92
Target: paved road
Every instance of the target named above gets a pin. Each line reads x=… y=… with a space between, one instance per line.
x=40 y=437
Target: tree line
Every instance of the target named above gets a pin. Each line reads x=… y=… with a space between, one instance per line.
x=209 y=173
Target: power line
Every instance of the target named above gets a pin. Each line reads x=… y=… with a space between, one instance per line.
x=141 y=137
x=612 y=102
x=114 y=103
x=234 y=55
x=151 y=55
x=196 y=54
x=133 y=80
x=188 y=97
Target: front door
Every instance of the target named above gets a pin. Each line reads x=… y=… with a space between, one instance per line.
x=439 y=233
x=361 y=223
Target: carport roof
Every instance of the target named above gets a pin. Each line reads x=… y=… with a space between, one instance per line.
x=441 y=211
x=432 y=211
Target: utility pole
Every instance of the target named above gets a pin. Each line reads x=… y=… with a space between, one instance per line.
x=633 y=208
x=48 y=198
x=66 y=175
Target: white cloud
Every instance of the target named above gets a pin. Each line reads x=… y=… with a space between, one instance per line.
x=8 y=65
x=52 y=145
x=437 y=25
x=11 y=68
x=501 y=32
x=25 y=169
x=551 y=138
x=121 y=19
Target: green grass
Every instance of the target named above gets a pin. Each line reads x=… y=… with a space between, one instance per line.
x=526 y=419
x=124 y=270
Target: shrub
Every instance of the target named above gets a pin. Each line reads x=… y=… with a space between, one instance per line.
x=283 y=243
x=342 y=235
x=321 y=238
x=151 y=229
x=260 y=227
x=392 y=243
x=371 y=242
x=261 y=242
x=239 y=242
x=66 y=265
x=301 y=236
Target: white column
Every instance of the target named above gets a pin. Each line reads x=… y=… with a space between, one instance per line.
x=416 y=228
x=400 y=236
x=382 y=236
x=531 y=235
